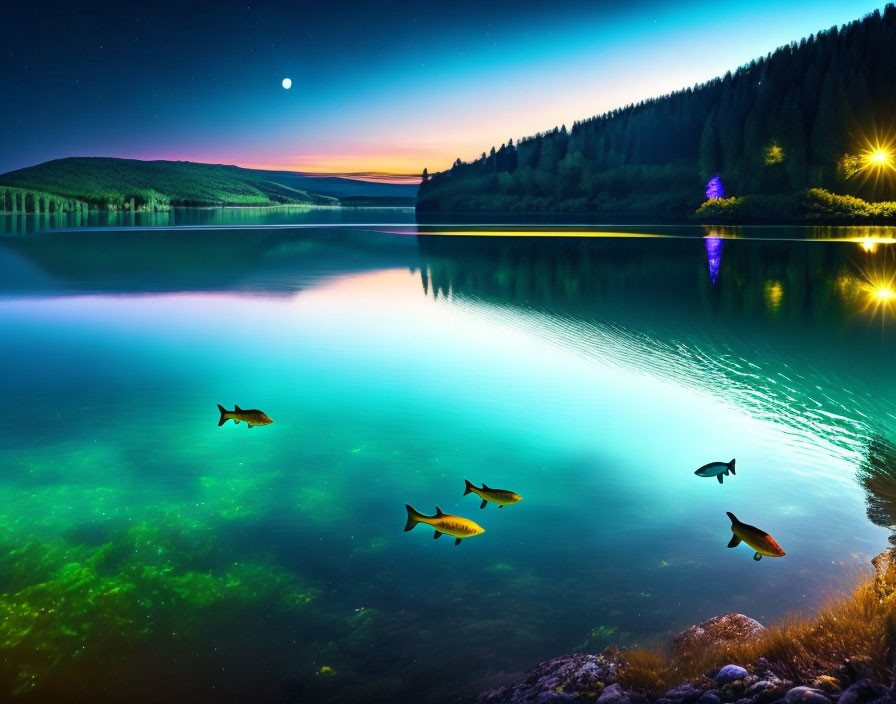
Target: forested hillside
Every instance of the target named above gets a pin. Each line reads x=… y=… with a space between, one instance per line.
x=817 y=114
x=129 y=184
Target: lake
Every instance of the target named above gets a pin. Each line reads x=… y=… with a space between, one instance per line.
x=150 y=555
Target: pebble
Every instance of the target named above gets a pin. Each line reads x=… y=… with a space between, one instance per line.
x=730 y=673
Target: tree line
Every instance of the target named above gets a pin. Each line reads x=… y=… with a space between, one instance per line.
x=804 y=116
x=19 y=200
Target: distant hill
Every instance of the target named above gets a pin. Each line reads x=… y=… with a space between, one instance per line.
x=129 y=184
x=807 y=116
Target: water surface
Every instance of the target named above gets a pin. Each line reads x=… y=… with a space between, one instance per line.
x=149 y=555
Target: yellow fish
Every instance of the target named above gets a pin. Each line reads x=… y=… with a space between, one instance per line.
x=253 y=416
x=502 y=497
x=455 y=526
x=759 y=540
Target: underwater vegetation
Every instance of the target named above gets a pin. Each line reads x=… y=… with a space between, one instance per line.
x=78 y=621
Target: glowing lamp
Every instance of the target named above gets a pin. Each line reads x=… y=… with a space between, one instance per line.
x=879 y=157
x=884 y=293
x=715 y=188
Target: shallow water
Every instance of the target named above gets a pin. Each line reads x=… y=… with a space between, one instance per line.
x=149 y=555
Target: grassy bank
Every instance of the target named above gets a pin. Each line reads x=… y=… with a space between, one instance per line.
x=855 y=630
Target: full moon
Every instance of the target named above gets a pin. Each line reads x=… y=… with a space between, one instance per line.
x=287 y=83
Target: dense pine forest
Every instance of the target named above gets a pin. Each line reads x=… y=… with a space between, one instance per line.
x=807 y=130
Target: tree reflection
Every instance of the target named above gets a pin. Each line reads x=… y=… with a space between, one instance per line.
x=878 y=477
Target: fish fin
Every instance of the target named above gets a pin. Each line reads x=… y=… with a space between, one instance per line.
x=500 y=505
x=223 y=415
x=727 y=472
x=439 y=512
x=757 y=557
x=719 y=477
x=484 y=487
x=437 y=534
x=734 y=542
x=251 y=426
x=482 y=505
x=468 y=487
x=235 y=421
x=731 y=466
x=414 y=517
x=457 y=541
x=237 y=409
x=732 y=517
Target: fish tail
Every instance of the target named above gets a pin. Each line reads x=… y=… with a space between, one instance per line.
x=414 y=517
x=223 y=415
x=468 y=488
x=731 y=466
x=732 y=517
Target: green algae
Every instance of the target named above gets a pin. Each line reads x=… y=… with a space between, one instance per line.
x=68 y=608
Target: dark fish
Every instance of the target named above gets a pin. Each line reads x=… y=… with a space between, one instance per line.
x=716 y=469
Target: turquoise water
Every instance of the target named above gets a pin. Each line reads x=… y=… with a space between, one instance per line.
x=149 y=555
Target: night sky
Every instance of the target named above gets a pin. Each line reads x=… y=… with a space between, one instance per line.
x=377 y=87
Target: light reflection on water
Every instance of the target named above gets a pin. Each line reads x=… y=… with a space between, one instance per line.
x=592 y=376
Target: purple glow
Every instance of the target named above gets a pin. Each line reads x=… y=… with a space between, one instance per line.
x=715 y=188
x=714 y=256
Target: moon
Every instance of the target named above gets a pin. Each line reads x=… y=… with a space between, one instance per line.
x=286 y=83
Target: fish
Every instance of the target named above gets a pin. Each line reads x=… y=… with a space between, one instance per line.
x=502 y=497
x=716 y=469
x=252 y=416
x=455 y=526
x=759 y=540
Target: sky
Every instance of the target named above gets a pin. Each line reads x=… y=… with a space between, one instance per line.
x=377 y=87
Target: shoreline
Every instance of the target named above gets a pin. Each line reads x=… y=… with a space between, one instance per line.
x=844 y=654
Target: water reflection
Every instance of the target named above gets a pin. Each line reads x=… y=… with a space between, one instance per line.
x=550 y=358
x=28 y=223
x=713 y=255
x=877 y=475
x=788 y=330
x=274 y=261
x=780 y=335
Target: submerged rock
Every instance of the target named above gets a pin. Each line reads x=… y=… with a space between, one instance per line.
x=708 y=698
x=767 y=690
x=861 y=692
x=730 y=673
x=571 y=678
x=682 y=694
x=806 y=695
x=730 y=628
x=885 y=564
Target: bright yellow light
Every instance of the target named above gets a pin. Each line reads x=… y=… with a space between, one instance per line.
x=880 y=293
x=884 y=294
x=878 y=157
x=869 y=245
x=773 y=292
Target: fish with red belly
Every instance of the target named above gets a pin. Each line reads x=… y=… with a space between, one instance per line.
x=759 y=540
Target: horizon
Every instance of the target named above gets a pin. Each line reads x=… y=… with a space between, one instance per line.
x=361 y=129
